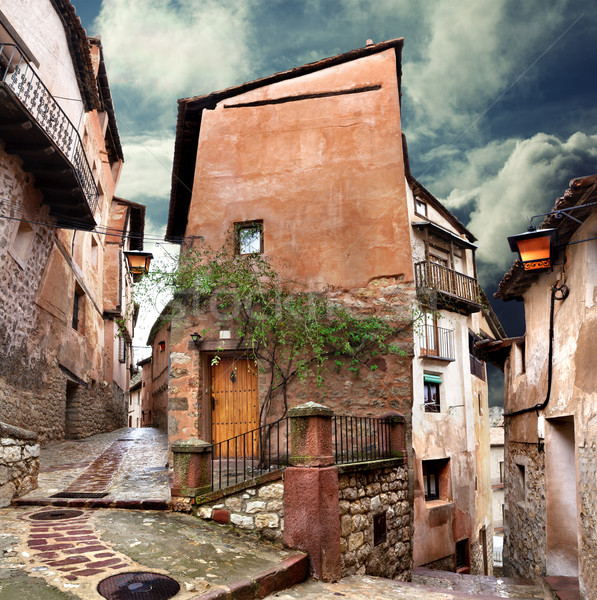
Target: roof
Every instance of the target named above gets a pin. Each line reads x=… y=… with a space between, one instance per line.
x=113 y=144
x=78 y=45
x=144 y=361
x=496 y=436
x=495 y=352
x=582 y=190
x=137 y=222
x=189 y=123
x=135 y=381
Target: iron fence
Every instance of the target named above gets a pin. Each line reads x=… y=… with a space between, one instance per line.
x=437 y=341
x=360 y=439
x=250 y=454
x=19 y=76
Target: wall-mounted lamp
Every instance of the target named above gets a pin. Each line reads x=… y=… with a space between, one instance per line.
x=138 y=261
x=536 y=248
x=196 y=337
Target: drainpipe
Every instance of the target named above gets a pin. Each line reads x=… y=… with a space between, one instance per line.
x=564 y=291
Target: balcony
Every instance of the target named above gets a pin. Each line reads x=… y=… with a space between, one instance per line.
x=445 y=288
x=436 y=342
x=34 y=127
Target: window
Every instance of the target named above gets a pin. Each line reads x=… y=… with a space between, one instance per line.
x=94 y=251
x=436 y=478
x=462 y=554
x=501 y=471
x=432 y=397
x=249 y=237
x=420 y=207
x=22 y=243
x=122 y=349
x=477 y=366
x=79 y=310
x=379 y=528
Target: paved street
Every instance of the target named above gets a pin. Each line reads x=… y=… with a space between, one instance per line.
x=86 y=540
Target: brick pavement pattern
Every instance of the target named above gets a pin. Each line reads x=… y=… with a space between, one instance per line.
x=72 y=547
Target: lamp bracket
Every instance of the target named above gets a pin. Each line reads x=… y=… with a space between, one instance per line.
x=561 y=212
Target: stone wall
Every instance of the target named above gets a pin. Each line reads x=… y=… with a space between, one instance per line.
x=365 y=492
x=259 y=509
x=19 y=462
x=524 y=527
x=587 y=491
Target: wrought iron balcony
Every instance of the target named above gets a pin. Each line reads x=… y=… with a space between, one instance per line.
x=35 y=127
x=436 y=342
x=448 y=288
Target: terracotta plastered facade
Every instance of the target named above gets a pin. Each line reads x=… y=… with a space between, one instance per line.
x=65 y=286
x=316 y=156
x=550 y=405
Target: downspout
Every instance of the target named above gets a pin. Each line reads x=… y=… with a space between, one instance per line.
x=564 y=294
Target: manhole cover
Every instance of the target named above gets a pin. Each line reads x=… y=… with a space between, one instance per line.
x=55 y=515
x=80 y=495
x=144 y=586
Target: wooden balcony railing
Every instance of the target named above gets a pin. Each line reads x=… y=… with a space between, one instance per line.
x=454 y=290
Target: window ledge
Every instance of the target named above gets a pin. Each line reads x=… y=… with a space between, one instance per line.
x=433 y=504
x=436 y=358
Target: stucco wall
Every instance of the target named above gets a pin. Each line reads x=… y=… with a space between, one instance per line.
x=572 y=402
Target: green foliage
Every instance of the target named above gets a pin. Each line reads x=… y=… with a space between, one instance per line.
x=277 y=322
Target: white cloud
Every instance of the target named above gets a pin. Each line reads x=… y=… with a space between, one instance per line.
x=170 y=49
x=147 y=169
x=476 y=50
x=530 y=177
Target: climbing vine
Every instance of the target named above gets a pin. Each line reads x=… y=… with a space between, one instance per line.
x=290 y=332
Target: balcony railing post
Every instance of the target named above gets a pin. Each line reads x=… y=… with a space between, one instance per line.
x=397 y=434
x=311 y=504
x=192 y=468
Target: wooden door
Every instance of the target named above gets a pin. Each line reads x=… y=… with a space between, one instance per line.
x=235 y=405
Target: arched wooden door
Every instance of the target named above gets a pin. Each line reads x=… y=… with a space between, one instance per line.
x=235 y=405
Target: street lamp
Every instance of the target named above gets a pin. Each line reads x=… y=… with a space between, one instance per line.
x=196 y=337
x=138 y=261
x=536 y=248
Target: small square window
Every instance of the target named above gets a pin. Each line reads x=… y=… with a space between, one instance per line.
x=420 y=207
x=249 y=237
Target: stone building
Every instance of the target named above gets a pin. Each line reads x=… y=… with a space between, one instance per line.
x=309 y=167
x=65 y=284
x=550 y=404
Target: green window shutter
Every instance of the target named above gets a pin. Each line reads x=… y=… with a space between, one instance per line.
x=432 y=378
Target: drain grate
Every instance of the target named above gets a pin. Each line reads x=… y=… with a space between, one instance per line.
x=55 y=515
x=138 y=585
x=80 y=495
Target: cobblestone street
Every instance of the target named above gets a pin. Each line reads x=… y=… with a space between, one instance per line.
x=85 y=540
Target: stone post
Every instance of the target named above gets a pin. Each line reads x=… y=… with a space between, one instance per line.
x=397 y=434
x=311 y=511
x=192 y=468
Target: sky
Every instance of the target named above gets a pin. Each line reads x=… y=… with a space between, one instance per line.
x=499 y=102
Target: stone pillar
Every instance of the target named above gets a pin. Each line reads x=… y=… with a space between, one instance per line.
x=311 y=511
x=192 y=468
x=397 y=434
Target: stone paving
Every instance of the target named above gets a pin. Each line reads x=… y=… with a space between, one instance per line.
x=60 y=559
x=129 y=465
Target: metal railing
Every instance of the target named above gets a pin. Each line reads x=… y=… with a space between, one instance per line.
x=442 y=279
x=19 y=76
x=250 y=454
x=360 y=439
x=437 y=342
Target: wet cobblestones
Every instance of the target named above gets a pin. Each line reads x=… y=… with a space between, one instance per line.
x=128 y=464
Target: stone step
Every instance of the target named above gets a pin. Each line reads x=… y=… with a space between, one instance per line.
x=561 y=588
x=476 y=586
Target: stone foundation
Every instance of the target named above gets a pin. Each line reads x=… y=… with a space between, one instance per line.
x=19 y=462
x=364 y=493
x=259 y=509
x=524 y=528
